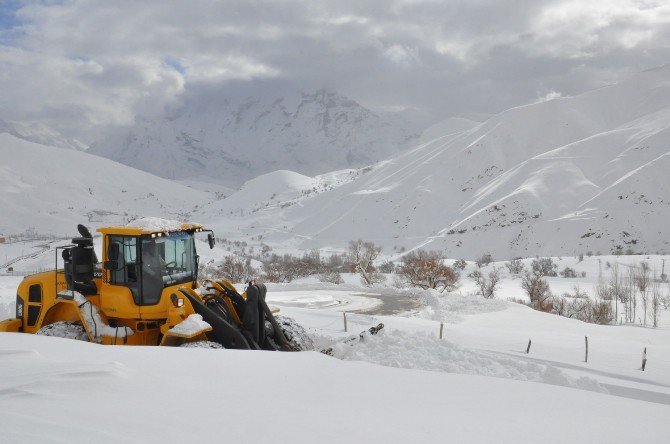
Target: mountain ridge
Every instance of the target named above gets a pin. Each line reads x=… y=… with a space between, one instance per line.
x=565 y=176
x=232 y=140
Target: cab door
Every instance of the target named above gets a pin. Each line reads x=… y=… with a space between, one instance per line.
x=120 y=293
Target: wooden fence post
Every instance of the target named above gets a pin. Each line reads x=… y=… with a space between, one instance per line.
x=644 y=358
x=528 y=348
x=441 y=328
x=344 y=313
x=586 y=342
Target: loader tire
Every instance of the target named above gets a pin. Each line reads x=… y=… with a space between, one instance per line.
x=295 y=333
x=64 y=329
x=202 y=344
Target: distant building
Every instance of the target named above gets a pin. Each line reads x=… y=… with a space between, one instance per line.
x=2 y=239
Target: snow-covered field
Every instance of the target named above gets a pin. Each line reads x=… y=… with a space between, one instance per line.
x=57 y=390
x=476 y=384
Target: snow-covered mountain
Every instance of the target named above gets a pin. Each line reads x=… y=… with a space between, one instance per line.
x=52 y=189
x=40 y=133
x=570 y=175
x=234 y=139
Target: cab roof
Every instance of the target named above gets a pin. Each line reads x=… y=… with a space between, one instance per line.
x=150 y=225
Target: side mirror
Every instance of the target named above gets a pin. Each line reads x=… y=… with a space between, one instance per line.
x=113 y=252
x=211 y=240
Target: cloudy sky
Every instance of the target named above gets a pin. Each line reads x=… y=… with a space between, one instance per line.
x=81 y=65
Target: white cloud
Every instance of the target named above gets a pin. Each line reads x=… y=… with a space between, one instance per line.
x=81 y=65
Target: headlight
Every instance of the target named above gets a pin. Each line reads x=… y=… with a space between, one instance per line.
x=177 y=302
x=19 y=307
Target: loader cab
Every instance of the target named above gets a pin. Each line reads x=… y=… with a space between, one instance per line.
x=140 y=264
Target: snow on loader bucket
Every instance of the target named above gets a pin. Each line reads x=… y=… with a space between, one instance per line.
x=145 y=291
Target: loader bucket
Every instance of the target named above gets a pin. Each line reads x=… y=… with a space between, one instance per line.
x=222 y=332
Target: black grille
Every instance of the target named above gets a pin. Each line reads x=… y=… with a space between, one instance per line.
x=35 y=293
x=33 y=314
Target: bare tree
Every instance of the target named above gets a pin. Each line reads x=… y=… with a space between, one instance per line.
x=655 y=301
x=665 y=299
x=538 y=291
x=360 y=257
x=616 y=289
x=642 y=283
x=426 y=269
x=486 y=285
x=631 y=295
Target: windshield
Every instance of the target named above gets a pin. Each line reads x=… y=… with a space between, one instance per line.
x=172 y=258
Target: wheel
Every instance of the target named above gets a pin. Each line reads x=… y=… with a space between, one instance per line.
x=202 y=344
x=295 y=333
x=64 y=329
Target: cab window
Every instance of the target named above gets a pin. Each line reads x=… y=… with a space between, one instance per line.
x=127 y=271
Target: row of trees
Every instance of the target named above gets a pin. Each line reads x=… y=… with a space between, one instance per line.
x=636 y=294
x=631 y=296
x=423 y=269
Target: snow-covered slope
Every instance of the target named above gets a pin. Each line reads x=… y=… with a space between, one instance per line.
x=40 y=133
x=52 y=189
x=235 y=139
x=558 y=177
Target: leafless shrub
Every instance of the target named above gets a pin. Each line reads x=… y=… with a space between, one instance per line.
x=336 y=262
x=332 y=277
x=486 y=285
x=460 y=264
x=518 y=301
x=568 y=273
x=577 y=293
x=584 y=309
x=484 y=260
x=515 y=266
x=426 y=269
x=600 y=313
x=237 y=269
x=280 y=268
x=537 y=290
x=387 y=267
x=544 y=267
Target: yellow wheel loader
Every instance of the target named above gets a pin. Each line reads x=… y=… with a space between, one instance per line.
x=145 y=291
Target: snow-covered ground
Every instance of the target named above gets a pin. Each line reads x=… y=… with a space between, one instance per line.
x=62 y=390
x=476 y=384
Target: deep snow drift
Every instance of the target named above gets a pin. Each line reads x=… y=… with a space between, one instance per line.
x=309 y=397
